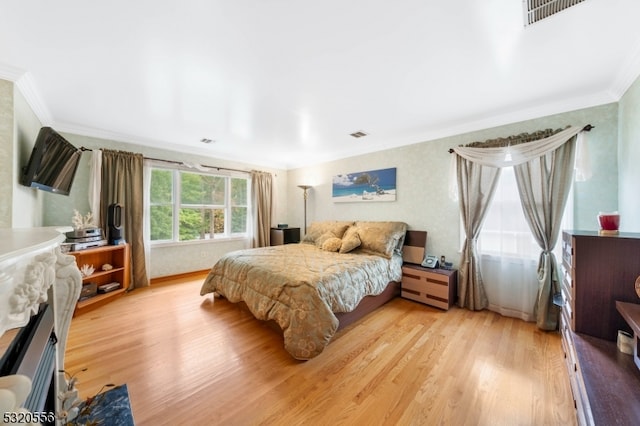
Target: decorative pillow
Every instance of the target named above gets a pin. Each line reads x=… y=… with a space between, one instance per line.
x=381 y=238
x=324 y=237
x=350 y=240
x=332 y=244
x=316 y=229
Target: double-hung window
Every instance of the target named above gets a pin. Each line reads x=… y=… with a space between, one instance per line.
x=189 y=206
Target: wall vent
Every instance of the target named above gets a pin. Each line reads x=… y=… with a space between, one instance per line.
x=537 y=10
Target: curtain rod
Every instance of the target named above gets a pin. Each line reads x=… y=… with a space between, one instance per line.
x=586 y=128
x=82 y=148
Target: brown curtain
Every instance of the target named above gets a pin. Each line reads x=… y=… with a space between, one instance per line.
x=261 y=202
x=122 y=183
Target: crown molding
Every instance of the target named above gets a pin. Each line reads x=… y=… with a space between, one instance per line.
x=24 y=82
x=628 y=74
x=471 y=125
x=10 y=73
x=27 y=87
x=164 y=145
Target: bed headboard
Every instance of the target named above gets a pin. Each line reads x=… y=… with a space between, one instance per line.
x=415 y=244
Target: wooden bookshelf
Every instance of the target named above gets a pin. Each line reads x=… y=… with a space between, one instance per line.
x=118 y=257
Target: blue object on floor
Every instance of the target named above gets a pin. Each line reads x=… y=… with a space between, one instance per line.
x=110 y=408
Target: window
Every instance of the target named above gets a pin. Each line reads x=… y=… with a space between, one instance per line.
x=509 y=253
x=188 y=206
x=505 y=231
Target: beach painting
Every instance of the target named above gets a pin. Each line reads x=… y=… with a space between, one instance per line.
x=364 y=187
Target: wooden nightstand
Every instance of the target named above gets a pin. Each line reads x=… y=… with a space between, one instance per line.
x=280 y=236
x=435 y=287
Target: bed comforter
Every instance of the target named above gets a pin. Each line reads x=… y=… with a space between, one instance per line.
x=300 y=287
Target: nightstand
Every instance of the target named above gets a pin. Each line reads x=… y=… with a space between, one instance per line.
x=435 y=287
x=280 y=236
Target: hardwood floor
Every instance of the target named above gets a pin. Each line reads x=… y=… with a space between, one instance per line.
x=187 y=360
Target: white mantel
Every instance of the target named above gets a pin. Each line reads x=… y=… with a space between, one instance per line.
x=33 y=270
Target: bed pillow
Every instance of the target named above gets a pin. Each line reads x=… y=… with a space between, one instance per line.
x=332 y=244
x=382 y=238
x=324 y=237
x=316 y=229
x=350 y=240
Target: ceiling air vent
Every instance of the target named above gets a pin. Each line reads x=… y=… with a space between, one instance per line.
x=358 y=134
x=537 y=10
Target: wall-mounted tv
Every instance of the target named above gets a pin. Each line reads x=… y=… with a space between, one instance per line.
x=53 y=163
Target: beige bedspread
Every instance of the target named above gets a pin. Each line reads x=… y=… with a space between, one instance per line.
x=300 y=287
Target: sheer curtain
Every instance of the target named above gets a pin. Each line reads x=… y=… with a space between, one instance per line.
x=146 y=237
x=508 y=253
x=95 y=184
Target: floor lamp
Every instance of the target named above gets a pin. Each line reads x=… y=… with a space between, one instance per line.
x=305 y=188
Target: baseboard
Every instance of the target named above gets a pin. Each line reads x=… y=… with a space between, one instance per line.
x=184 y=276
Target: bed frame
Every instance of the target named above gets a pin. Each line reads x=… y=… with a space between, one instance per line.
x=368 y=305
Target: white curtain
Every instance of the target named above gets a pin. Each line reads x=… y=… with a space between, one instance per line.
x=508 y=253
x=146 y=234
x=516 y=154
x=95 y=183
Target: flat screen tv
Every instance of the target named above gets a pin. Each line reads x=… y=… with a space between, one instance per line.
x=53 y=163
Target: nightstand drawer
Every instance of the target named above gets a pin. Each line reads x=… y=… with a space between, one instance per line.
x=426 y=298
x=435 y=287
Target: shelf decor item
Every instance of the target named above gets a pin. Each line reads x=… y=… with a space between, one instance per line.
x=609 y=223
x=82 y=222
x=87 y=270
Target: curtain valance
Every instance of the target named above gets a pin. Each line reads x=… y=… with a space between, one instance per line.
x=512 y=155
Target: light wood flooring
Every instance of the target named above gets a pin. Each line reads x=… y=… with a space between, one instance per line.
x=188 y=360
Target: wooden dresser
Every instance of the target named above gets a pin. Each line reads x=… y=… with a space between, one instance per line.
x=598 y=271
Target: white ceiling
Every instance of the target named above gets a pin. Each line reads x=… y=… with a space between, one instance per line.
x=283 y=83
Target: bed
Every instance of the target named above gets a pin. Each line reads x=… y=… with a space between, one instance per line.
x=338 y=273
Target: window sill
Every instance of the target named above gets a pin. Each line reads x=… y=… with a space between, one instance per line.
x=219 y=240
